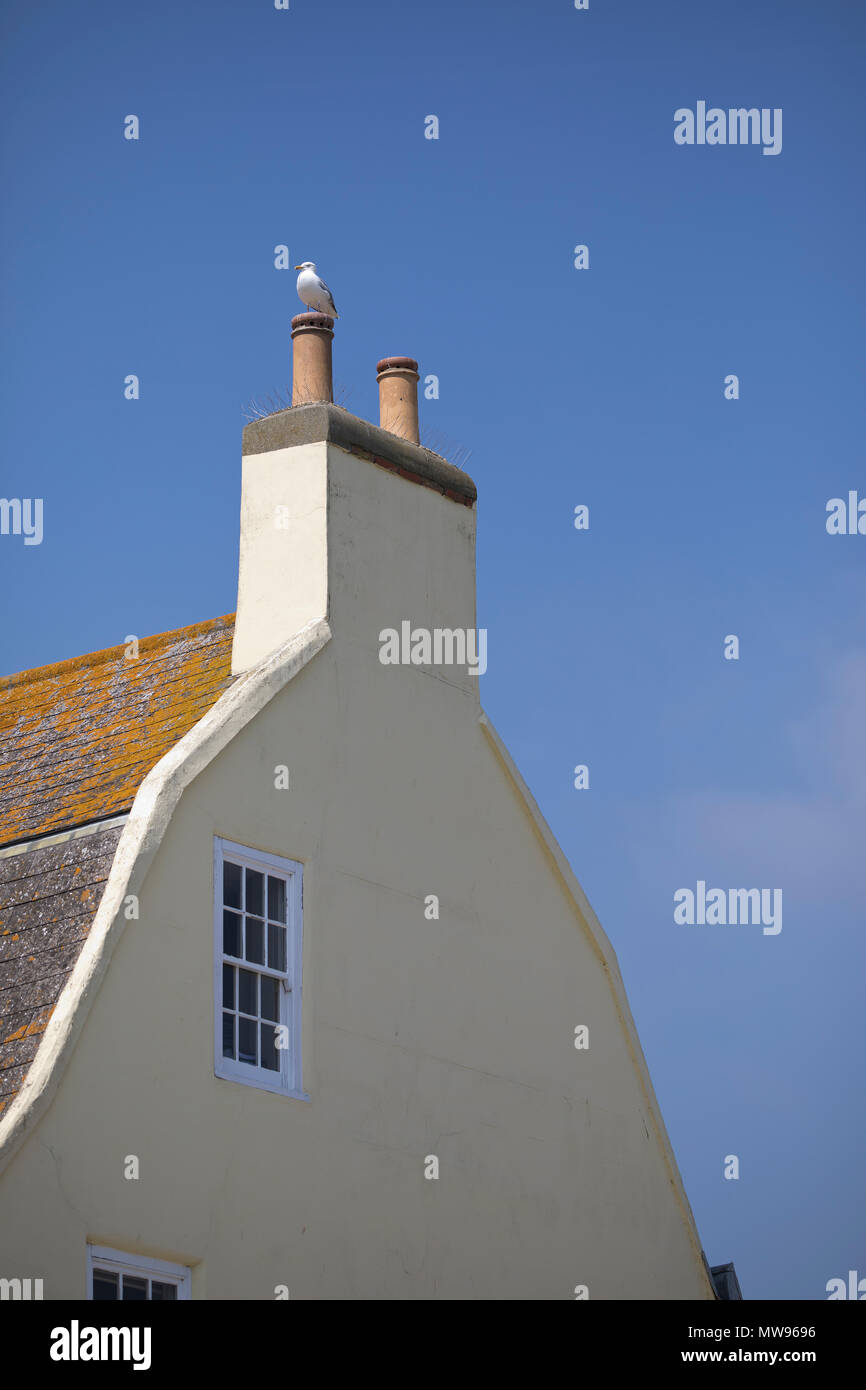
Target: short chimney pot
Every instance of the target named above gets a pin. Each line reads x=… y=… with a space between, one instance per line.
x=398 y=397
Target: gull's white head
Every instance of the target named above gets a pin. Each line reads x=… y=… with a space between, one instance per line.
x=306 y=265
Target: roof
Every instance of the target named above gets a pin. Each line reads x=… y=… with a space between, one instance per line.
x=77 y=739
x=48 y=900
x=725 y=1282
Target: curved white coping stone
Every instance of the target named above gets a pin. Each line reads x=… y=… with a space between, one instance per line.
x=608 y=961
x=151 y=812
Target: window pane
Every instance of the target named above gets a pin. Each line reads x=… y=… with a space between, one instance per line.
x=134 y=1289
x=247 y=1040
x=255 y=940
x=276 y=898
x=270 y=998
x=104 y=1285
x=255 y=893
x=276 y=947
x=247 y=982
x=231 y=884
x=270 y=1056
x=231 y=934
x=161 y=1293
x=228 y=1035
x=228 y=987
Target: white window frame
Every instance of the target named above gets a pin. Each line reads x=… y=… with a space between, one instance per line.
x=288 y=1081
x=140 y=1266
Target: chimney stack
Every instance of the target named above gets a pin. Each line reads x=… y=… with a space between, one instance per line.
x=312 y=382
x=344 y=520
x=398 y=397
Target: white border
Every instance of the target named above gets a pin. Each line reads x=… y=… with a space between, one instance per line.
x=121 y=1262
x=289 y=1080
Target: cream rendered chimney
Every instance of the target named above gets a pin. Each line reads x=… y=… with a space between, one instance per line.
x=347 y=521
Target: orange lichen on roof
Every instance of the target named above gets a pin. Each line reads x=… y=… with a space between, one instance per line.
x=33 y=1028
x=78 y=738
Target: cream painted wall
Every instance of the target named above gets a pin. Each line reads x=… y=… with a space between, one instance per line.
x=452 y=1038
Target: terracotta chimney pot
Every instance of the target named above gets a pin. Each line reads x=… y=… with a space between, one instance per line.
x=398 y=396
x=312 y=379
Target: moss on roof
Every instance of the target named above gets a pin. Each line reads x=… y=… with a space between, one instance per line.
x=78 y=738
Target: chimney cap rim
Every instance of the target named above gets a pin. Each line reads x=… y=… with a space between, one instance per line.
x=396 y=364
x=322 y=323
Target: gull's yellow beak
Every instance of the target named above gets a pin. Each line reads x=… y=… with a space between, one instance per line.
x=299 y=267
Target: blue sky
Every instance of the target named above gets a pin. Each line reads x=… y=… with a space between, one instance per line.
x=603 y=387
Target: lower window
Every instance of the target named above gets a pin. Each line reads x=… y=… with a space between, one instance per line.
x=114 y=1276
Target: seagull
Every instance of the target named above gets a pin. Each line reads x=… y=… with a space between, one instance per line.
x=313 y=291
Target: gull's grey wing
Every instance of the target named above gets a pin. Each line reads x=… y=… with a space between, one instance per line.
x=327 y=291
